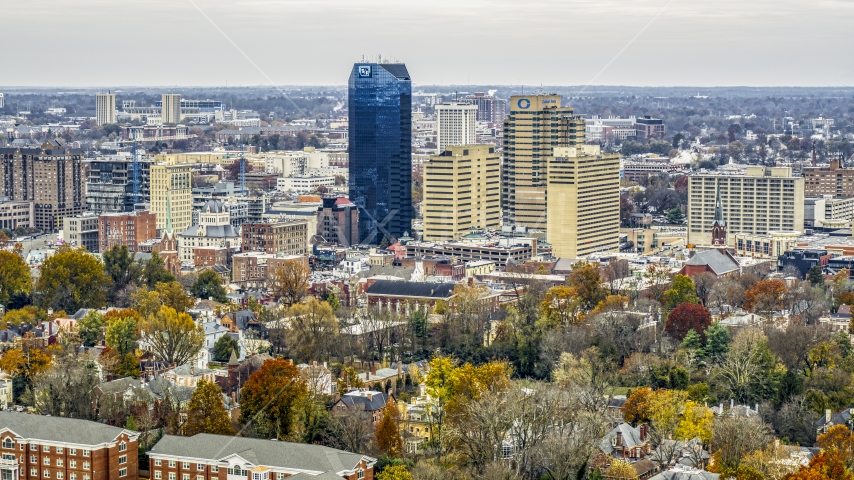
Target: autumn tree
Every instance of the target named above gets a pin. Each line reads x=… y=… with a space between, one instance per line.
x=839 y=441
x=312 y=330
x=734 y=437
x=637 y=408
x=682 y=290
x=349 y=380
x=122 y=332
x=686 y=317
x=289 y=283
x=274 y=390
x=206 y=412
x=25 y=364
x=765 y=297
x=66 y=389
x=696 y=422
x=72 y=279
x=387 y=432
x=171 y=294
x=209 y=285
x=562 y=306
x=587 y=283
x=621 y=470
x=824 y=465
x=172 y=337
x=394 y=472
x=14 y=277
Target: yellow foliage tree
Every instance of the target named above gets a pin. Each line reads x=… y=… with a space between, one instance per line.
x=696 y=421
x=621 y=470
x=563 y=306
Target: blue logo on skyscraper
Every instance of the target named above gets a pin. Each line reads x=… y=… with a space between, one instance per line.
x=364 y=71
x=524 y=103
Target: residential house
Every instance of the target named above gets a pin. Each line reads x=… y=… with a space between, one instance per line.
x=189 y=376
x=318 y=378
x=680 y=472
x=5 y=391
x=372 y=403
x=36 y=447
x=627 y=442
x=219 y=457
x=843 y=417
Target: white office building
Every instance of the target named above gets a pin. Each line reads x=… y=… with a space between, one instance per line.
x=456 y=124
x=105 y=108
x=303 y=183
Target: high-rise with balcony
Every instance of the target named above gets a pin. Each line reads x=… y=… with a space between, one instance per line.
x=170 y=104
x=462 y=190
x=763 y=200
x=456 y=124
x=380 y=130
x=105 y=108
x=537 y=124
x=50 y=176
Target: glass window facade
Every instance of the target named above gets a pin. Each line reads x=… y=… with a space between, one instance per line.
x=380 y=108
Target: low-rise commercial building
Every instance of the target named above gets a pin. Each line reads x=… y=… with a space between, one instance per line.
x=250 y=269
x=304 y=183
x=14 y=214
x=769 y=245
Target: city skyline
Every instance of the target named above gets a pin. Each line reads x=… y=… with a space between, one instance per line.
x=645 y=43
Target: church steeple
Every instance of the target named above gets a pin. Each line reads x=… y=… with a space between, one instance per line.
x=719 y=224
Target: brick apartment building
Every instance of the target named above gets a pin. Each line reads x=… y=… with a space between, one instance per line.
x=250 y=269
x=338 y=221
x=212 y=256
x=129 y=229
x=648 y=127
x=289 y=238
x=834 y=180
x=50 y=176
x=36 y=447
x=219 y=457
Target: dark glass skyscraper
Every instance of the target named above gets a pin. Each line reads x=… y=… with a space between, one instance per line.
x=380 y=107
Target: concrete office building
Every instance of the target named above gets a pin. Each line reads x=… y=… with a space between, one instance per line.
x=456 y=124
x=105 y=108
x=50 y=176
x=14 y=214
x=764 y=199
x=2 y=100
x=81 y=231
x=834 y=180
x=583 y=201
x=109 y=185
x=172 y=184
x=536 y=124
x=462 y=190
x=827 y=209
x=489 y=108
x=170 y=108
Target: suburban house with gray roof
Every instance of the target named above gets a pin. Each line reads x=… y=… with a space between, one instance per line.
x=36 y=447
x=219 y=457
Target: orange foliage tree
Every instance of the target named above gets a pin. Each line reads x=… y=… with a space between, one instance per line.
x=827 y=465
x=765 y=296
x=388 y=432
x=275 y=390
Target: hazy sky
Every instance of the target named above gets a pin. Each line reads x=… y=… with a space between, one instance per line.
x=108 y=43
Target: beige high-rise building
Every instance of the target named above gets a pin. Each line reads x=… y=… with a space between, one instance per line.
x=170 y=104
x=461 y=191
x=456 y=124
x=172 y=183
x=537 y=123
x=105 y=108
x=763 y=200
x=583 y=201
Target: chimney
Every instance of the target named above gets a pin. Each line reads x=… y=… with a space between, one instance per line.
x=643 y=431
x=400 y=369
x=731 y=403
x=619 y=438
x=721 y=408
x=373 y=369
x=827 y=415
x=756 y=408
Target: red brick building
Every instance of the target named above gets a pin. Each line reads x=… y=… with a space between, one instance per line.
x=129 y=229
x=211 y=256
x=219 y=457
x=37 y=447
x=250 y=269
x=290 y=238
x=338 y=221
